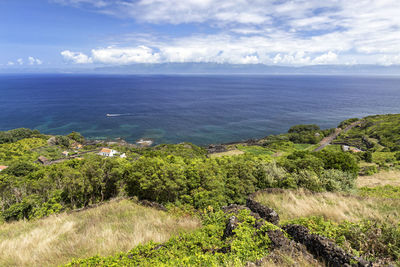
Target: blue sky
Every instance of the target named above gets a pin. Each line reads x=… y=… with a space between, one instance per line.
x=87 y=33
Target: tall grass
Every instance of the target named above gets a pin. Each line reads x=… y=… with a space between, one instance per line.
x=380 y=179
x=291 y=204
x=104 y=230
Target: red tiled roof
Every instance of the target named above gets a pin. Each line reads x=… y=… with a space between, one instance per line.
x=105 y=150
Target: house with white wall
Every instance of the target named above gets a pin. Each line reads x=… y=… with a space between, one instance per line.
x=107 y=152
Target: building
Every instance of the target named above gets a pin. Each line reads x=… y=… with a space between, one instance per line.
x=355 y=150
x=43 y=160
x=77 y=146
x=65 y=153
x=107 y=152
x=350 y=148
x=3 y=167
x=123 y=156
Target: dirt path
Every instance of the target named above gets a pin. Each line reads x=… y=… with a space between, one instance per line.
x=70 y=157
x=327 y=140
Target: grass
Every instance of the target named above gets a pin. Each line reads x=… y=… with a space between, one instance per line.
x=227 y=153
x=333 y=148
x=382 y=178
x=105 y=230
x=292 y=204
x=304 y=146
x=387 y=191
x=256 y=150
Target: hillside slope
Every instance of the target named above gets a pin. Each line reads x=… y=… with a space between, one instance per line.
x=104 y=230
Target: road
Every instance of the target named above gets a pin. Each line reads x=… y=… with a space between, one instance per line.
x=327 y=140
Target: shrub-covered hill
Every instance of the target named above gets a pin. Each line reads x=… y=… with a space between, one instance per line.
x=375 y=133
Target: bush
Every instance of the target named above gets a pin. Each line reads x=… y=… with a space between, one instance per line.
x=369 y=170
x=337 y=180
x=365 y=238
x=62 y=141
x=17 y=134
x=304 y=128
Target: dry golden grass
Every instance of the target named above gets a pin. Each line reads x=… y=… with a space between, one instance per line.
x=104 y=230
x=380 y=179
x=291 y=204
x=234 y=152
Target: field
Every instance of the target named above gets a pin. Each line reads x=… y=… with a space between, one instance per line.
x=105 y=230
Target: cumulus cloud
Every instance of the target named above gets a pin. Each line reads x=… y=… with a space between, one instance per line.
x=327 y=58
x=255 y=31
x=20 y=61
x=10 y=63
x=111 y=55
x=33 y=61
x=76 y=57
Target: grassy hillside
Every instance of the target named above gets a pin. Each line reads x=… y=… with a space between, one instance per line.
x=315 y=189
x=365 y=222
x=105 y=230
x=291 y=204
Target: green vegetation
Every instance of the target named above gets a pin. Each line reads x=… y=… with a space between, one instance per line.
x=347 y=122
x=376 y=133
x=17 y=134
x=179 y=174
x=373 y=241
x=185 y=177
x=204 y=247
x=387 y=191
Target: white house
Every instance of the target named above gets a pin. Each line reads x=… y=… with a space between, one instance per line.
x=3 y=167
x=123 y=156
x=106 y=152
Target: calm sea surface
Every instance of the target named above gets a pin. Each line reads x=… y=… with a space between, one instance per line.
x=198 y=109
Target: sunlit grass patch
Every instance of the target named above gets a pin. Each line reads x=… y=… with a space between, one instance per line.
x=291 y=204
x=227 y=153
x=382 y=178
x=104 y=230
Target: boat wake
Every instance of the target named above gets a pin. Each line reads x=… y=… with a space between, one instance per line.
x=118 y=115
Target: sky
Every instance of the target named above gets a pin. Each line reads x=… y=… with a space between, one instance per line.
x=89 y=33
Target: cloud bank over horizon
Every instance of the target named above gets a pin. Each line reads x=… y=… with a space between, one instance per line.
x=255 y=32
x=270 y=32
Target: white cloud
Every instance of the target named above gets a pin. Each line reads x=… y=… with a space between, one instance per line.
x=33 y=61
x=297 y=32
x=327 y=58
x=10 y=63
x=95 y=3
x=20 y=61
x=111 y=55
x=388 y=60
x=76 y=57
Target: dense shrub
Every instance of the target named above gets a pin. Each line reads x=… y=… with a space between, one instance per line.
x=17 y=134
x=304 y=128
x=347 y=122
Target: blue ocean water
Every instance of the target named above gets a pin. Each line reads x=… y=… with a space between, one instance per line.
x=198 y=109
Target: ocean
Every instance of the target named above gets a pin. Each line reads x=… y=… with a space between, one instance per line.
x=201 y=109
